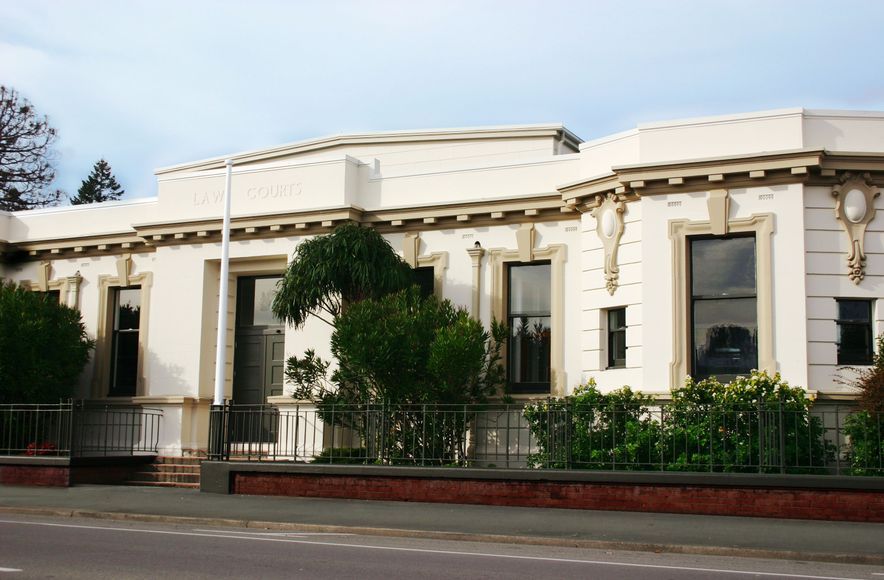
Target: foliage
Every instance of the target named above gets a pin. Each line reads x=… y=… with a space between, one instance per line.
x=395 y=354
x=865 y=452
x=43 y=347
x=101 y=185
x=329 y=272
x=870 y=381
x=25 y=151
x=594 y=430
x=752 y=424
x=866 y=427
x=343 y=455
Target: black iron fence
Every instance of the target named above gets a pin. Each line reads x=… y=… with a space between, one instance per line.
x=757 y=439
x=78 y=429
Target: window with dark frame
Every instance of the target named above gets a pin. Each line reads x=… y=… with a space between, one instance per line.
x=616 y=338
x=855 y=340
x=424 y=277
x=528 y=320
x=124 y=341
x=52 y=295
x=723 y=309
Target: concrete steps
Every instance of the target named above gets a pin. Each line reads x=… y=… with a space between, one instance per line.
x=166 y=471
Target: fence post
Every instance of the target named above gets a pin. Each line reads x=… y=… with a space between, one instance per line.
x=760 y=437
x=837 y=440
x=782 y=436
x=215 y=432
x=72 y=428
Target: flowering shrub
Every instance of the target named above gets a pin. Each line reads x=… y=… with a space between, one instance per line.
x=753 y=424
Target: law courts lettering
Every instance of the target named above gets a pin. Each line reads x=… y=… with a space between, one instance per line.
x=253 y=193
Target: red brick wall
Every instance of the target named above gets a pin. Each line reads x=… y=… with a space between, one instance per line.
x=42 y=475
x=102 y=474
x=860 y=506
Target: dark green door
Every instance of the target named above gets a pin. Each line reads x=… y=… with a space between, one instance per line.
x=258 y=359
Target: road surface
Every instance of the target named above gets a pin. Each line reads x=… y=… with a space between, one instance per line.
x=42 y=547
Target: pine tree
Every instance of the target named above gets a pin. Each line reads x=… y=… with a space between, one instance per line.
x=101 y=185
x=26 y=140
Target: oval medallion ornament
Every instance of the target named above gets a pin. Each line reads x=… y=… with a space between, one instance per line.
x=855 y=206
x=609 y=224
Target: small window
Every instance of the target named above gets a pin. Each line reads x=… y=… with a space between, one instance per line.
x=855 y=332
x=52 y=295
x=528 y=318
x=124 y=354
x=425 y=279
x=254 y=296
x=617 y=338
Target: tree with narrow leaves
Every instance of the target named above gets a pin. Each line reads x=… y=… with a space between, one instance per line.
x=101 y=185
x=25 y=155
x=328 y=272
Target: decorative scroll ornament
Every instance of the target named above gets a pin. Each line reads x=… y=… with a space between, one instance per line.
x=609 y=227
x=855 y=208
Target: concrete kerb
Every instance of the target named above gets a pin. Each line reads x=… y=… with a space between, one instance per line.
x=867 y=559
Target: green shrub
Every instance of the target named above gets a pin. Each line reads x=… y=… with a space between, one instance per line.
x=865 y=428
x=594 y=430
x=343 y=456
x=396 y=354
x=43 y=347
x=752 y=424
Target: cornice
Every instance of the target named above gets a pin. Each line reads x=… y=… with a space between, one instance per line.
x=124 y=242
x=809 y=166
x=147 y=237
x=246 y=227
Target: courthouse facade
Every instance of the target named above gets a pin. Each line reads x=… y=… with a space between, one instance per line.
x=695 y=247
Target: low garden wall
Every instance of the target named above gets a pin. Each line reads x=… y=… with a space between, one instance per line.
x=858 y=499
x=64 y=471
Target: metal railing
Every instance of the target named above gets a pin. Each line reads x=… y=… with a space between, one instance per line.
x=78 y=429
x=553 y=435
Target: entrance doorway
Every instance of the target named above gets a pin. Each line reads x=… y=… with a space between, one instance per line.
x=259 y=347
x=258 y=360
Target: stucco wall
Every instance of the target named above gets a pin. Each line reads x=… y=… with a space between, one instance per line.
x=827 y=247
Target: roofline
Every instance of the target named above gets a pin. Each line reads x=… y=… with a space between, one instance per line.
x=82 y=207
x=499 y=131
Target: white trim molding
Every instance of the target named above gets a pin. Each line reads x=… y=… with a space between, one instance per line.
x=762 y=225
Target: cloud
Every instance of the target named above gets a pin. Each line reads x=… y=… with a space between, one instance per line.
x=148 y=83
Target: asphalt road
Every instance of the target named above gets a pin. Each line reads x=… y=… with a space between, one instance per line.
x=39 y=547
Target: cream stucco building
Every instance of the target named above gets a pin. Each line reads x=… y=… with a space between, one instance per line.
x=692 y=247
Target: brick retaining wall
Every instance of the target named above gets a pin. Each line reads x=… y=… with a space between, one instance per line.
x=64 y=472
x=39 y=475
x=799 y=497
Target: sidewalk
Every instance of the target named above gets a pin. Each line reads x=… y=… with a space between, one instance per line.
x=714 y=535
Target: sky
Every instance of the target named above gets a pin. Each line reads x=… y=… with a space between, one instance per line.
x=146 y=84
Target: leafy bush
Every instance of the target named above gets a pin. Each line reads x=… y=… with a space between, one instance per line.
x=43 y=347
x=594 y=430
x=865 y=452
x=865 y=428
x=752 y=424
x=755 y=423
x=397 y=352
x=343 y=456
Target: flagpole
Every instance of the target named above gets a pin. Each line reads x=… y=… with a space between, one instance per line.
x=221 y=342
